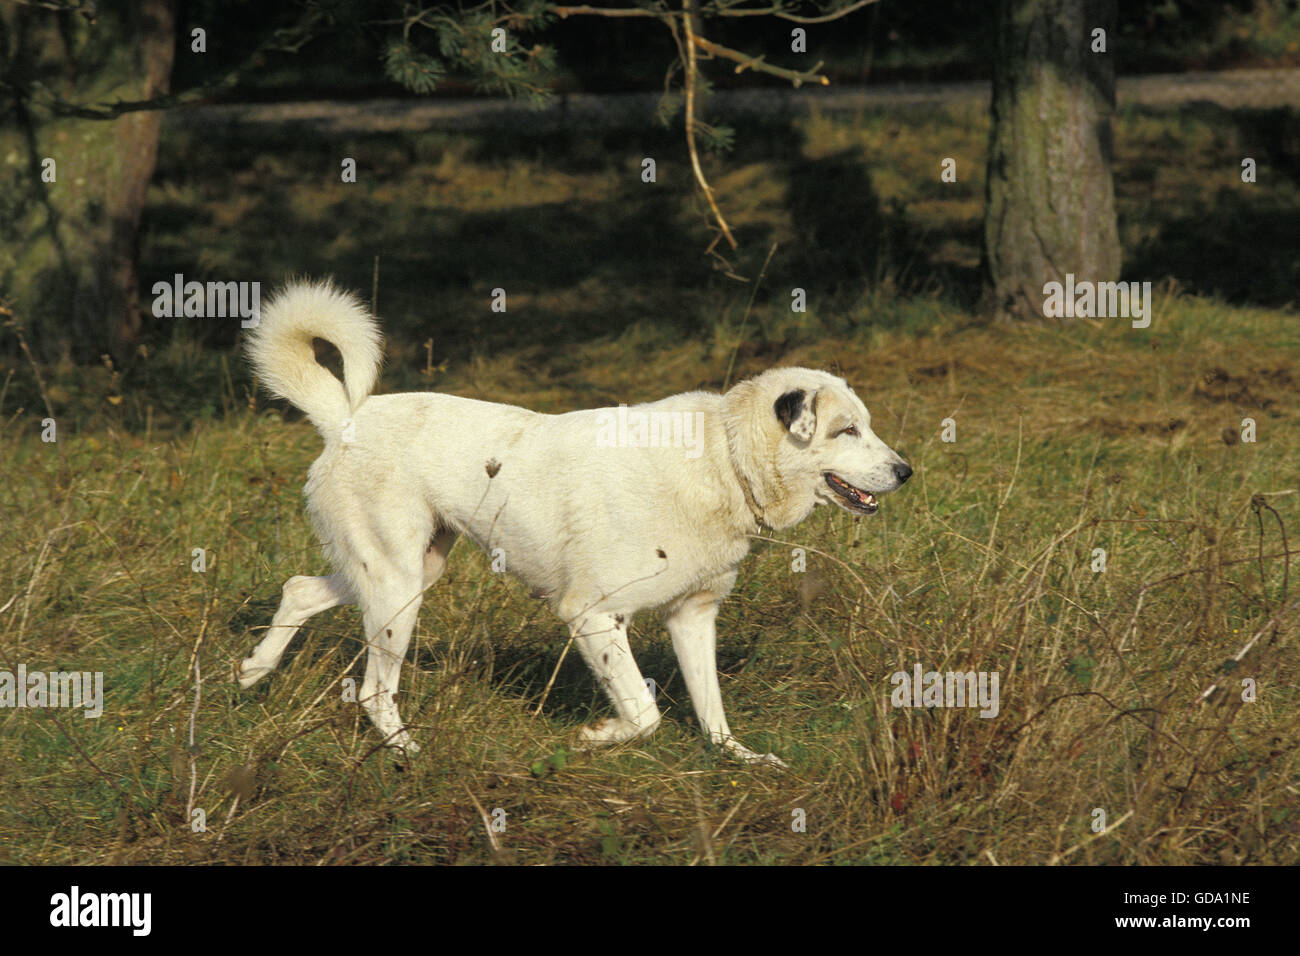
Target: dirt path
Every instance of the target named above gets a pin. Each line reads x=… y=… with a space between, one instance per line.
x=1233 y=89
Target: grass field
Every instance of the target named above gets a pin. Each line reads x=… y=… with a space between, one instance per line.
x=1069 y=439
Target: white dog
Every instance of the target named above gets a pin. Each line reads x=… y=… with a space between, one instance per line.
x=603 y=512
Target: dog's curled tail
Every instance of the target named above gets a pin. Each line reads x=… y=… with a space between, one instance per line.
x=281 y=352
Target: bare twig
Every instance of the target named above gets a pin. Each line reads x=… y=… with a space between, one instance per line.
x=487 y=821
x=691 y=76
x=758 y=64
x=776 y=10
x=546 y=691
x=1258 y=504
x=779 y=11
x=617 y=12
x=194 y=711
x=726 y=382
x=730 y=813
x=11 y=320
x=233 y=807
x=1058 y=857
x=1131 y=713
x=1236 y=658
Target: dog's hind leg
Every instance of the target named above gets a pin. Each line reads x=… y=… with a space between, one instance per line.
x=691 y=623
x=389 y=610
x=602 y=640
x=303 y=597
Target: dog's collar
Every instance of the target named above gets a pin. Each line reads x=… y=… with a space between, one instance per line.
x=754 y=507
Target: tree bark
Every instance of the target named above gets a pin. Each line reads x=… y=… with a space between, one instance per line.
x=137 y=135
x=68 y=247
x=1050 y=201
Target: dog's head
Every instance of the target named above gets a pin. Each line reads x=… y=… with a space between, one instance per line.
x=801 y=437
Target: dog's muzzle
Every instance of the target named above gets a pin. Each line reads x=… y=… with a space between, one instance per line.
x=851 y=498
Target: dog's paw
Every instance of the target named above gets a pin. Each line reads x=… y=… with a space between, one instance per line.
x=249 y=672
x=400 y=742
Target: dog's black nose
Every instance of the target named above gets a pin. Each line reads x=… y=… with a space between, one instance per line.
x=902 y=471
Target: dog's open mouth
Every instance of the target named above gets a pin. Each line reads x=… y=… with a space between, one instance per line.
x=849 y=497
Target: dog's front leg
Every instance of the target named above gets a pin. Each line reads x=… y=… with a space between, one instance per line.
x=602 y=641
x=691 y=624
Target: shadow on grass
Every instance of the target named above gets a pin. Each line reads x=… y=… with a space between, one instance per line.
x=1243 y=250
x=519 y=670
x=451 y=218
x=1238 y=244
x=572 y=270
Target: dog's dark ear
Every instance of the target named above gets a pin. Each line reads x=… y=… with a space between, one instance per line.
x=788 y=406
x=795 y=412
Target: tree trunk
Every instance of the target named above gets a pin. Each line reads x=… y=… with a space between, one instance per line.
x=73 y=189
x=1050 y=206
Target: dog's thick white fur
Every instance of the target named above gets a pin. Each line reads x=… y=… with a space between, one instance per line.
x=598 y=520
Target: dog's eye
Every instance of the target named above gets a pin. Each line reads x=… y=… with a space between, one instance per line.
x=851 y=430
